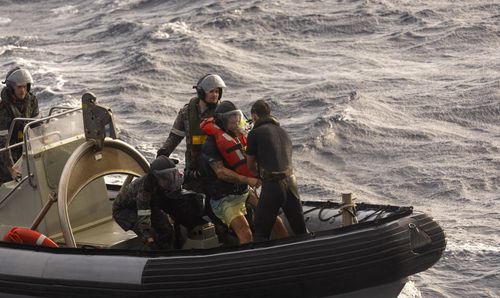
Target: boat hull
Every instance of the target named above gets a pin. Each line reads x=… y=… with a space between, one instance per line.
x=327 y=263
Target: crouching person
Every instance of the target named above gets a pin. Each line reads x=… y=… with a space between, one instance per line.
x=143 y=205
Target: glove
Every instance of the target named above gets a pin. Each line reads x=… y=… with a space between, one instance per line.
x=192 y=174
x=151 y=245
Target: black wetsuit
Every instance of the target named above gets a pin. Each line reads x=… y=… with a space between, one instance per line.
x=272 y=148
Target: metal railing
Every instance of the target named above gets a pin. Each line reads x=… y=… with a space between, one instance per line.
x=55 y=108
x=32 y=122
x=13 y=190
x=15 y=120
x=9 y=136
x=26 y=136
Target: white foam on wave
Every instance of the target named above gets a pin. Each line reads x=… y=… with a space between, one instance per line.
x=27 y=63
x=171 y=30
x=472 y=246
x=160 y=35
x=9 y=47
x=179 y=27
x=120 y=4
x=410 y=291
x=57 y=80
x=5 y=21
x=65 y=10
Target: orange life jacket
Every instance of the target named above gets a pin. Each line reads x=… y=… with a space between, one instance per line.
x=231 y=149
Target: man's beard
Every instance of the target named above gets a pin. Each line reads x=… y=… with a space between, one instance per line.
x=211 y=105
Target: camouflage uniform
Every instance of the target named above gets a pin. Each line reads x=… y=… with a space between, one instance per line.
x=187 y=124
x=11 y=108
x=145 y=213
x=134 y=209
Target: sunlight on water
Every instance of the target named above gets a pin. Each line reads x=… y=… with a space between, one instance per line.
x=410 y=291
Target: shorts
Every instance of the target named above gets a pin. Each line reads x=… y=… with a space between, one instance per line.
x=229 y=207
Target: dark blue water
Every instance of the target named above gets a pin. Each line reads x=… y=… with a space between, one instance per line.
x=395 y=101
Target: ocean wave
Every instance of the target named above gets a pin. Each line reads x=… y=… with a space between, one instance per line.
x=118 y=29
x=279 y=21
x=410 y=291
x=473 y=249
x=407 y=37
x=19 y=40
x=65 y=11
x=175 y=31
x=5 y=21
x=112 y=5
x=10 y=50
x=468 y=114
x=92 y=55
x=140 y=4
x=428 y=14
x=450 y=37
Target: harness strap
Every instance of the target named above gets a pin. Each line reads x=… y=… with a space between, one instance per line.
x=234 y=148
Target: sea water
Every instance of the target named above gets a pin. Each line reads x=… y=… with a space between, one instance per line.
x=395 y=101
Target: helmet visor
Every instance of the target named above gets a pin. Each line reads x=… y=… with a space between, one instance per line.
x=173 y=178
x=234 y=120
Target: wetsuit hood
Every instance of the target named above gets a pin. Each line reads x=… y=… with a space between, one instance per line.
x=266 y=119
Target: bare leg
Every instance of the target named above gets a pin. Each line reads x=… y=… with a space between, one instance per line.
x=252 y=198
x=279 y=229
x=242 y=229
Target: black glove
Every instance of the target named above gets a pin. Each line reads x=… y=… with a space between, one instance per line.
x=192 y=174
x=152 y=245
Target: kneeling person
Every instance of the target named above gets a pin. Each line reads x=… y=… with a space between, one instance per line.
x=143 y=205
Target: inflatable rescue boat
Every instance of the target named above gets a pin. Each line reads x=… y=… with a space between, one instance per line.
x=70 y=246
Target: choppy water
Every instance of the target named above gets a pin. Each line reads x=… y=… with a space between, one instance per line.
x=396 y=101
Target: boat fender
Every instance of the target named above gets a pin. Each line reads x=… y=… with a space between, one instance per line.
x=26 y=236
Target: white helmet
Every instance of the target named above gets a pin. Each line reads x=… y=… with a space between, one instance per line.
x=208 y=83
x=18 y=76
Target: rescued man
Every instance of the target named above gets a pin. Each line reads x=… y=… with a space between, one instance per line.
x=17 y=101
x=224 y=151
x=269 y=156
x=142 y=206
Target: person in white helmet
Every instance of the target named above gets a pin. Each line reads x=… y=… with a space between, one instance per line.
x=187 y=124
x=17 y=101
